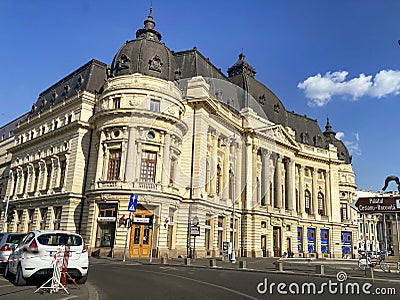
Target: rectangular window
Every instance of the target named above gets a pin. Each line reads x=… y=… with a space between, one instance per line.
x=117 y=102
x=57 y=217
x=36 y=179
x=155 y=105
x=63 y=167
x=43 y=215
x=31 y=214
x=148 y=166
x=343 y=211
x=207 y=242
x=48 y=178
x=220 y=232
x=114 y=164
x=172 y=172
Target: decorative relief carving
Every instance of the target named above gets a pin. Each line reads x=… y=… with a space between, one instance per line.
x=155 y=64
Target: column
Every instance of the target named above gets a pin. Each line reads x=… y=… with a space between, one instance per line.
x=290 y=184
x=213 y=163
x=100 y=158
x=249 y=174
x=238 y=172
x=265 y=154
x=124 y=148
x=314 y=196
x=254 y=199
x=166 y=161
x=278 y=181
x=301 y=189
x=130 y=155
x=225 y=172
x=328 y=205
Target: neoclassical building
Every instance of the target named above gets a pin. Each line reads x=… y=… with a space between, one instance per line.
x=193 y=144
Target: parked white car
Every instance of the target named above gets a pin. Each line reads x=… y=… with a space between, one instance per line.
x=34 y=255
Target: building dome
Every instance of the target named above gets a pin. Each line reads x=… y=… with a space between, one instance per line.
x=145 y=55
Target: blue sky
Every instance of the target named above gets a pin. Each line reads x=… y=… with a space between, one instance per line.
x=321 y=58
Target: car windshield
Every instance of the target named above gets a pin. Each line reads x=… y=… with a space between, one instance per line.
x=57 y=239
x=14 y=238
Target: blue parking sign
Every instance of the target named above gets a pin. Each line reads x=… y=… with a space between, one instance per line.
x=132 y=203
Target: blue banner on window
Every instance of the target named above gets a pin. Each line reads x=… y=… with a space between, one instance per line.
x=311 y=235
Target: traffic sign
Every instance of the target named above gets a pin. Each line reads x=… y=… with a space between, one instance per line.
x=377 y=204
x=195 y=231
x=132 y=203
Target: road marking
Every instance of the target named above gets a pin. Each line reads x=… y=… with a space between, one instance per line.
x=70 y=297
x=204 y=282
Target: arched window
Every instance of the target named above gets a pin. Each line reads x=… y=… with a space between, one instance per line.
x=321 y=204
x=307 y=199
x=218 y=180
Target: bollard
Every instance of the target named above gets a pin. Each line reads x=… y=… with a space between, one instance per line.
x=279 y=266
x=213 y=262
x=187 y=261
x=320 y=269
x=163 y=260
x=242 y=264
x=369 y=272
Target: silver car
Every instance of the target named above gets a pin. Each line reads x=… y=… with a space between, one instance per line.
x=8 y=240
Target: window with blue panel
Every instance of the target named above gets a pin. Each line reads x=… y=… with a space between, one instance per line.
x=299 y=239
x=324 y=240
x=311 y=239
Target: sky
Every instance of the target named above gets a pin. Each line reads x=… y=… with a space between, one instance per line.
x=338 y=59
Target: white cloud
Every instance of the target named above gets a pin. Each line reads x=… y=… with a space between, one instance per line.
x=339 y=135
x=351 y=143
x=320 y=89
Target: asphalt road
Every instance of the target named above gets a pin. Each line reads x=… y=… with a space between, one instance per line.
x=130 y=280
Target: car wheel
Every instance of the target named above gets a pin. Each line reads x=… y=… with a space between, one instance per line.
x=82 y=280
x=19 y=279
x=7 y=273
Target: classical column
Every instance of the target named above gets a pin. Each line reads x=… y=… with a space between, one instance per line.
x=238 y=172
x=265 y=154
x=301 y=189
x=249 y=174
x=278 y=181
x=290 y=184
x=314 y=195
x=130 y=155
x=124 y=148
x=328 y=206
x=213 y=163
x=166 y=161
x=100 y=158
x=255 y=189
x=225 y=172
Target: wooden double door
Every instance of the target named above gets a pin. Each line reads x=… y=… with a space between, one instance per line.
x=141 y=234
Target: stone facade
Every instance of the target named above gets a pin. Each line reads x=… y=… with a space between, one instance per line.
x=191 y=147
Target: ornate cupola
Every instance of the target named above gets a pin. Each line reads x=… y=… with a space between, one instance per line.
x=241 y=66
x=145 y=55
x=148 y=32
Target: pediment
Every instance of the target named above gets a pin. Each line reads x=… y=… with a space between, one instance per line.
x=282 y=136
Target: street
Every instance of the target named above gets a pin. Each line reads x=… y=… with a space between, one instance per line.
x=114 y=279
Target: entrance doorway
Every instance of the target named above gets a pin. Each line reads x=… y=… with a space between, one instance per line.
x=276 y=241
x=141 y=234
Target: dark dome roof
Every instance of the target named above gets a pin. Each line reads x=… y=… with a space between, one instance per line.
x=145 y=55
x=330 y=137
